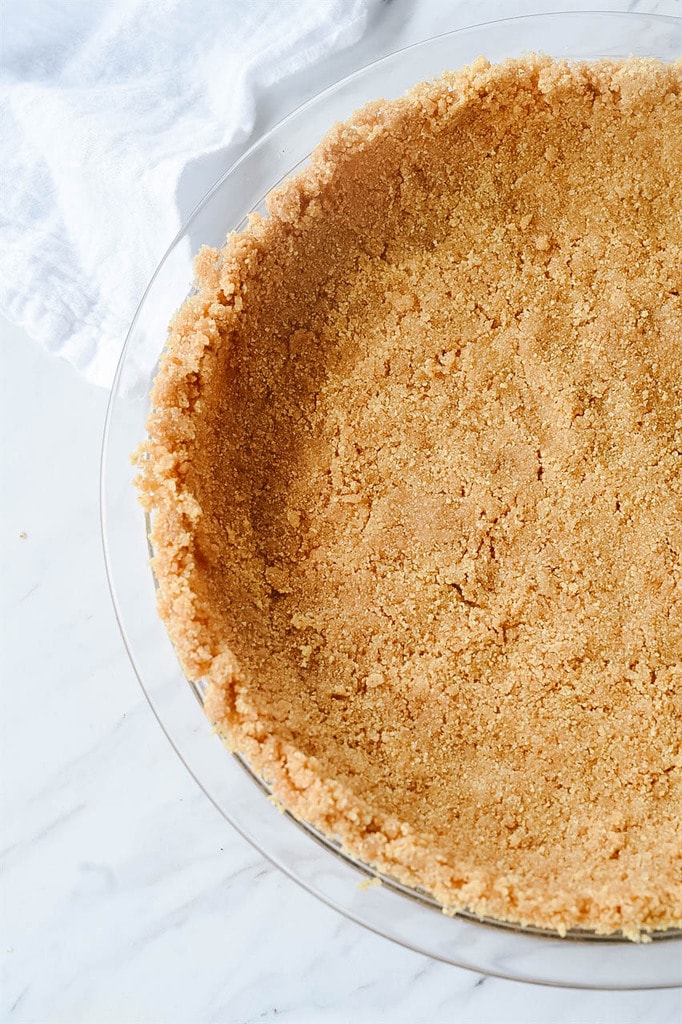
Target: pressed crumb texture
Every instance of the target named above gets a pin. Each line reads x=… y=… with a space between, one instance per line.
x=415 y=473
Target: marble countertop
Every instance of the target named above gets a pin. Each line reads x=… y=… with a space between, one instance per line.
x=124 y=895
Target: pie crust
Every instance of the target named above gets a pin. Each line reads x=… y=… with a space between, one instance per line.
x=414 y=469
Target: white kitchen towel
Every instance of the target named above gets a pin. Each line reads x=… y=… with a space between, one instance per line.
x=104 y=103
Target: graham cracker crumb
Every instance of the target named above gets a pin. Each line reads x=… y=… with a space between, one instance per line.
x=415 y=473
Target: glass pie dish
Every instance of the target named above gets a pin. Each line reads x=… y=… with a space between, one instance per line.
x=405 y=915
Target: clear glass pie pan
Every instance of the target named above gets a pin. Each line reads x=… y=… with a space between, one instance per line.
x=406 y=916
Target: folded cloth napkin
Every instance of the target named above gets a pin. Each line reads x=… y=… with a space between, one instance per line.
x=103 y=107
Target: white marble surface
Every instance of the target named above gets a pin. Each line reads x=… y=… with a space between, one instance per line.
x=124 y=896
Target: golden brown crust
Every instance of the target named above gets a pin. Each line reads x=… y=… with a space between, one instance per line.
x=414 y=469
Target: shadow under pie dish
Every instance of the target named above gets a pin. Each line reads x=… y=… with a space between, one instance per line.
x=414 y=473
